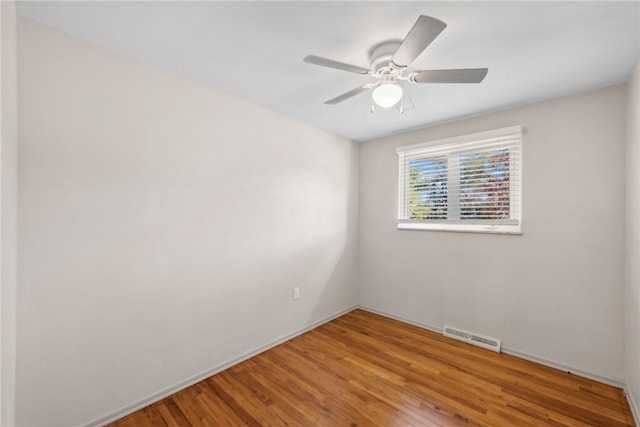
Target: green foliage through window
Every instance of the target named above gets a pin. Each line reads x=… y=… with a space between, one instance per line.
x=428 y=188
x=484 y=185
x=482 y=189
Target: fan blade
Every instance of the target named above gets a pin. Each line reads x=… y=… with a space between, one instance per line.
x=424 y=31
x=318 y=60
x=348 y=95
x=469 y=75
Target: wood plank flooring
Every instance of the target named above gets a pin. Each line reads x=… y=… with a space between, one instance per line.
x=366 y=370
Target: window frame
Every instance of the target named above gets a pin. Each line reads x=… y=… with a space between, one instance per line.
x=509 y=137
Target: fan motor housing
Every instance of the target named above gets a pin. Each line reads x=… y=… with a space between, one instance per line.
x=382 y=53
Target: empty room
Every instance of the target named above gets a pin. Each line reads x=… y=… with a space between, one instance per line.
x=320 y=213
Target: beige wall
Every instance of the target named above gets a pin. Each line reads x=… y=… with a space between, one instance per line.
x=554 y=293
x=163 y=226
x=8 y=210
x=632 y=296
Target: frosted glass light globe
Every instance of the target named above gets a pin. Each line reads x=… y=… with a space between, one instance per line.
x=387 y=95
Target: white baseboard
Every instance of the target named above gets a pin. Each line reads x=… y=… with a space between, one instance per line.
x=155 y=397
x=612 y=381
x=431 y=328
x=616 y=382
x=635 y=411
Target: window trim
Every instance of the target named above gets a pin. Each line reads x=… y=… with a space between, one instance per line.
x=470 y=143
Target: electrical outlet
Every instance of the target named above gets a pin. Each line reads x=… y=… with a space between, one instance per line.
x=296 y=293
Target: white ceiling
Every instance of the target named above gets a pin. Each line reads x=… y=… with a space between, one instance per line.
x=254 y=50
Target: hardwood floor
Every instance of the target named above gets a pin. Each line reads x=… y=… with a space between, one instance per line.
x=366 y=370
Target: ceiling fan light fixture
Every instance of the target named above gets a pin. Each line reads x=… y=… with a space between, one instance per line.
x=387 y=95
x=389 y=61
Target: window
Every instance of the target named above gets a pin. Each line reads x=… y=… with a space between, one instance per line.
x=468 y=183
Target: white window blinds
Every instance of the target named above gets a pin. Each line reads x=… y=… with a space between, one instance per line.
x=468 y=183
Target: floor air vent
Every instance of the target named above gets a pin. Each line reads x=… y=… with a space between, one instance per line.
x=471 y=338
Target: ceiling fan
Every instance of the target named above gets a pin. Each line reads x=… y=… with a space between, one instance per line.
x=389 y=60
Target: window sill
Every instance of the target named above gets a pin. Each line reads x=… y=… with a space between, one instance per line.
x=463 y=228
